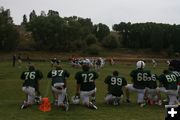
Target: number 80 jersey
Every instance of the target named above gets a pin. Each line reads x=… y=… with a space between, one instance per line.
x=86 y=79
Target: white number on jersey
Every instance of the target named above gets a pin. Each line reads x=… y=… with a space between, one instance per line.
x=30 y=75
x=171 y=78
x=142 y=77
x=57 y=73
x=116 y=81
x=153 y=77
x=88 y=77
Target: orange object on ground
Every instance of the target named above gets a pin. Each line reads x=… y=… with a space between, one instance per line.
x=45 y=105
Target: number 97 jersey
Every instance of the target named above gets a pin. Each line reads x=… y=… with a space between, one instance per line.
x=86 y=79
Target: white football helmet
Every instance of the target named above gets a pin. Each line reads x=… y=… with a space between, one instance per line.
x=140 y=64
x=75 y=99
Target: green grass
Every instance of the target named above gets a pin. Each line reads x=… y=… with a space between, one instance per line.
x=11 y=97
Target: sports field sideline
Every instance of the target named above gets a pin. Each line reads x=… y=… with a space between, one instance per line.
x=11 y=96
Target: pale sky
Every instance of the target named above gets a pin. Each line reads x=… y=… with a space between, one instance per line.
x=108 y=12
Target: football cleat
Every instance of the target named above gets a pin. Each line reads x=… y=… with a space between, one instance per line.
x=55 y=103
x=38 y=99
x=93 y=101
x=66 y=107
x=142 y=104
x=116 y=101
x=91 y=105
x=75 y=99
x=24 y=105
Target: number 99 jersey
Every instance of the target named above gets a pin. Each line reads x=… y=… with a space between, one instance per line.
x=115 y=84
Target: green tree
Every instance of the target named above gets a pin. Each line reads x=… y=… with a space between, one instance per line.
x=24 y=22
x=101 y=30
x=9 y=35
x=111 y=41
x=91 y=39
x=32 y=15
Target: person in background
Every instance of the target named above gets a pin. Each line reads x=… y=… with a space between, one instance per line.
x=14 y=60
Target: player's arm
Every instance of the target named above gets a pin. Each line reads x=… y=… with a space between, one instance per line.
x=132 y=76
x=49 y=75
x=106 y=81
x=78 y=89
x=124 y=83
x=67 y=74
x=40 y=75
x=96 y=75
x=22 y=76
x=78 y=83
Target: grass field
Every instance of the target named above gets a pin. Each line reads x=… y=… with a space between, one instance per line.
x=11 y=96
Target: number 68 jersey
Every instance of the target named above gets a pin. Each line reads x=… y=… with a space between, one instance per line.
x=30 y=77
x=86 y=79
x=140 y=78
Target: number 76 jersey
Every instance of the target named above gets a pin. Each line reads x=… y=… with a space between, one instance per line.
x=30 y=77
x=86 y=79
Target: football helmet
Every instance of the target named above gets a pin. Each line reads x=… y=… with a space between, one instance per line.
x=75 y=99
x=140 y=64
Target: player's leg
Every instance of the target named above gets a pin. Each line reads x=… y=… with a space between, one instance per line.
x=62 y=100
x=55 y=93
x=93 y=96
x=172 y=94
x=129 y=88
x=85 y=99
x=109 y=99
x=140 y=97
x=30 y=92
x=178 y=93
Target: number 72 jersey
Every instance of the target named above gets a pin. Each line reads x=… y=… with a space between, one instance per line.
x=86 y=79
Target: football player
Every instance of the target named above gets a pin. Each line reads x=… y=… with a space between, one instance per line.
x=152 y=95
x=86 y=87
x=116 y=85
x=178 y=83
x=59 y=84
x=139 y=78
x=169 y=82
x=30 y=77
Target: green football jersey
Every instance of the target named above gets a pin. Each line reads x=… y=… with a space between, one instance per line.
x=152 y=82
x=169 y=81
x=31 y=77
x=58 y=76
x=115 y=84
x=86 y=79
x=140 y=78
x=177 y=75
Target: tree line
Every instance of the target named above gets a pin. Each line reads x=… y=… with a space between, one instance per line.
x=51 y=32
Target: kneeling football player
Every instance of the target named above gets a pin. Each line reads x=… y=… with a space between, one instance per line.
x=59 y=77
x=116 y=85
x=86 y=87
x=30 y=77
